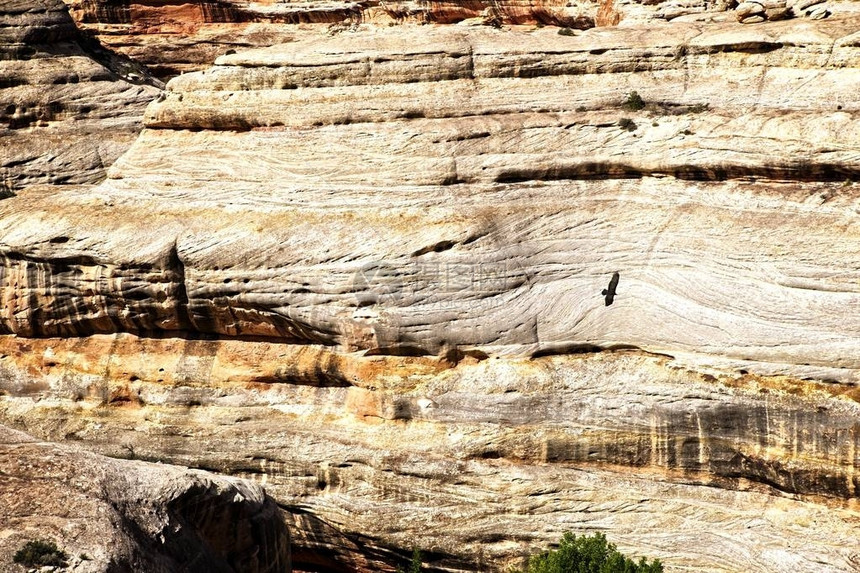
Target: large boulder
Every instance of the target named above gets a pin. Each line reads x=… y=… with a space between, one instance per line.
x=112 y=515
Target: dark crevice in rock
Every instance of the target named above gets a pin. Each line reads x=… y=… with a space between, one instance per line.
x=181 y=292
x=123 y=67
x=761 y=47
x=584 y=171
x=435 y=248
x=398 y=350
x=801 y=171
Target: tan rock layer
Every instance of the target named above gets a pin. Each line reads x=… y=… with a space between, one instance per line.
x=477 y=463
x=468 y=193
x=502 y=194
x=176 y=36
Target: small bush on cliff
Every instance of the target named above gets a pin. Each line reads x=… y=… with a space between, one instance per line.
x=588 y=555
x=39 y=553
x=414 y=565
x=633 y=102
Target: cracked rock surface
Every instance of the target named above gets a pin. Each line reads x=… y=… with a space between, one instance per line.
x=476 y=464
x=476 y=192
x=68 y=107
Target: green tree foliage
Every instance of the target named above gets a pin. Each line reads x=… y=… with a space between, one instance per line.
x=588 y=555
x=414 y=565
x=633 y=102
x=627 y=124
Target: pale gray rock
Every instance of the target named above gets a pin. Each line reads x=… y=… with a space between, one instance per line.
x=804 y=4
x=114 y=515
x=747 y=10
x=68 y=107
x=818 y=12
x=779 y=13
x=507 y=207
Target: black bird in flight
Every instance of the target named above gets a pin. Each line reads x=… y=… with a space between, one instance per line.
x=609 y=293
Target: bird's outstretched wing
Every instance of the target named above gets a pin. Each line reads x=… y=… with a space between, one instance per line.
x=609 y=293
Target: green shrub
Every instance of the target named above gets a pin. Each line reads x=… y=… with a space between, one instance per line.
x=633 y=102
x=566 y=32
x=414 y=565
x=588 y=555
x=39 y=553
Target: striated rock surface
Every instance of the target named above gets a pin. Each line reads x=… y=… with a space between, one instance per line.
x=68 y=107
x=513 y=188
x=178 y=36
x=175 y=36
x=372 y=270
x=474 y=464
x=117 y=515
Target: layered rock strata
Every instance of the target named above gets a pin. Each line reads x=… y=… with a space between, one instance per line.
x=173 y=36
x=68 y=107
x=514 y=184
x=475 y=464
x=346 y=265
x=117 y=515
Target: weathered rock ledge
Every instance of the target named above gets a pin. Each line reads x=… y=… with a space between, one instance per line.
x=115 y=515
x=178 y=36
x=68 y=107
x=508 y=188
x=367 y=270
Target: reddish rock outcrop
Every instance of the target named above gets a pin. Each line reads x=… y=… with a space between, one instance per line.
x=177 y=36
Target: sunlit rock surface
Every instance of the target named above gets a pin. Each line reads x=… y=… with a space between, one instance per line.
x=68 y=107
x=476 y=193
x=475 y=464
x=118 y=515
x=177 y=36
x=371 y=269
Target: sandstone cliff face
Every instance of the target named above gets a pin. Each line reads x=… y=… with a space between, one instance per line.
x=133 y=516
x=68 y=108
x=474 y=464
x=366 y=269
x=177 y=36
x=513 y=189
